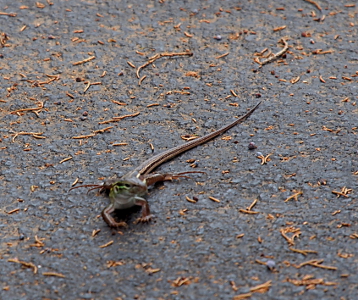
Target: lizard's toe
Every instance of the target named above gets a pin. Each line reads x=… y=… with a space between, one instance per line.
x=145 y=219
x=118 y=224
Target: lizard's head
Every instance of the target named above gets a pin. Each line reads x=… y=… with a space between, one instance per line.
x=124 y=188
x=120 y=189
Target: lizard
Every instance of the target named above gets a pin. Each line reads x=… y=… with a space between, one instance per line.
x=130 y=189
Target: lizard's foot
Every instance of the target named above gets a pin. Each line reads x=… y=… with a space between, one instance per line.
x=145 y=219
x=115 y=224
x=107 y=217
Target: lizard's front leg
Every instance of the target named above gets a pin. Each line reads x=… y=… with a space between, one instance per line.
x=146 y=216
x=107 y=217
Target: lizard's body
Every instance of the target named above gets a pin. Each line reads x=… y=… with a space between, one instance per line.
x=131 y=188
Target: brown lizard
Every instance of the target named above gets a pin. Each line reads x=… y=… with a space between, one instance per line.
x=130 y=189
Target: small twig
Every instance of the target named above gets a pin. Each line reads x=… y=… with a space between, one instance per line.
x=278 y=54
x=87 y=87
x=65 y=159
x=90 y=84
x=38 y=242
x=83 y=136
x=119 y=103
x=249 y=210
x=190 y=200
x=188 y=137
x=315 y=263
x=57 y=76
x=214 y=199
x=252 y=205
x=344 y=192
x=320 y=51
x=3 y=39
x=296 y=233
x=8 y=14
x=116 y=119
x=53 y=274
x=242 y=296
x=222 y=55
x=34 y=109
x=46 y=82
x=314 y=3
x=83 y=61
x=107 y=244
x=265 y=159
x=70 y=95
x=339 y=194
x=140 y=80
x=294 y=196
x=160 y=55
x=153 y=104
x=92 y=134
x=75 y=182
x=103 y=129
x=13 y=211
x=34 y=134
x=261 y=288
x=354 y=236
x=130 y=64
x=289 y=240
x=310 y=282
x=260 y=262
x=304 y=252
x=24 y=263
x=233 y=93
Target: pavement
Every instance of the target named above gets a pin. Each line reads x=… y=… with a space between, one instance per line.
x=275 y=222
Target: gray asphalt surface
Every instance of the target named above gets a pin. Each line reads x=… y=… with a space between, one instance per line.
x=55 y=245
